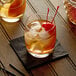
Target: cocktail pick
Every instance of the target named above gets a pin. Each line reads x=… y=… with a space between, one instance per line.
x=50 y=25
x=55 y=14
x=47 y=15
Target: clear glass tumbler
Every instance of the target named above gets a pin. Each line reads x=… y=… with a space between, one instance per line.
x=12 y=10
x=40 y=36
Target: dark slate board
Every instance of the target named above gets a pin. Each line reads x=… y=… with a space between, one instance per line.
x=29 y=61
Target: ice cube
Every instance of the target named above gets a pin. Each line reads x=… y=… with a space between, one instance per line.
x=35 y=28
x=44 y=34
x=28 y=37
x=33 y=32
x=36 y=25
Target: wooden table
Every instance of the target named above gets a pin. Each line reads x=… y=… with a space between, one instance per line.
x=62 y=67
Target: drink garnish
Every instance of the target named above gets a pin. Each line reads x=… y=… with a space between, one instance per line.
x=47 y=15
x=49 y=26
x=55 y=14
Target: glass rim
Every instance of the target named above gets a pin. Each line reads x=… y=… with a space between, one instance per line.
x=23 y=1
x=26 y=25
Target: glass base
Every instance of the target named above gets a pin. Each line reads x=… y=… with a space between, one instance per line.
x=11 y=19
x=39 y=55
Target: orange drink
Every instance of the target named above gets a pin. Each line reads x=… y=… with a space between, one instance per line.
x=40 y=38
x=12 y=10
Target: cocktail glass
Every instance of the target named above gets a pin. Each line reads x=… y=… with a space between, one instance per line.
x=40 y=36
x=12 y=10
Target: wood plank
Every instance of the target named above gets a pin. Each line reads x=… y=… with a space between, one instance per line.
x=43 y=71
x=56 y=68
x=63 y=68
x=28 y=12
x=61 y=8
x=14 y=30
x=7 y=56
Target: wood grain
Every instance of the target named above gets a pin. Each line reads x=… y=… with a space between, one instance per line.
x=7 y=56
x=62 y=67
x=13 y=29
x=43 y=71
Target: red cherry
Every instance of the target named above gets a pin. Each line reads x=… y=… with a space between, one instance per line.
x=47 y=27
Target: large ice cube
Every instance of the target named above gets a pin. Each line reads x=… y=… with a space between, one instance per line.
x=36 y=25
x=33 y=32
x=28 y=37
x=44 y=34
x=35 y=28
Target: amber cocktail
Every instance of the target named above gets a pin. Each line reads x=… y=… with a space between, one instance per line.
x=12 y=10
x=40 y=37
